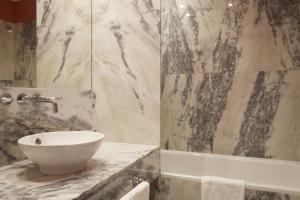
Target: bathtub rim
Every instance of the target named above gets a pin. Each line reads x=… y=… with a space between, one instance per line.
x=249 y=185
x=231 y=157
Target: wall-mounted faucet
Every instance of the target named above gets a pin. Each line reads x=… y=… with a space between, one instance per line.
x=23 y=98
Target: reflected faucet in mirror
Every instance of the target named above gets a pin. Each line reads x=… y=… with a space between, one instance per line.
x=37 y=98
x=6 y=99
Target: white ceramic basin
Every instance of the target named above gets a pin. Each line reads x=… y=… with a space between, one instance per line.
x=61 y=152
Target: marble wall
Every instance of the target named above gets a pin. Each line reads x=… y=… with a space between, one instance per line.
x=126 y=69
x=64 y=44
x=18 y=120
x=230 y=77
x=126 y=48
x=178 y=189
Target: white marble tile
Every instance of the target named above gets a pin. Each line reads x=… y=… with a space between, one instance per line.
x=126 y=64
x=227 y=133
x=285 y=131
x=64 y=44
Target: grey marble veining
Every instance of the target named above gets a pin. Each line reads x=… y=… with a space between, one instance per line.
x=260 y=113
x=22 y=181
x=183 y=56
x=258 y=195
x=229 y=77
x=16 y=120
x=211 y=97
x=284 y=20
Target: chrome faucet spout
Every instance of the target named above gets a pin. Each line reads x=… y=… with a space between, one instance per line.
x=54 y=105
x=40 y=99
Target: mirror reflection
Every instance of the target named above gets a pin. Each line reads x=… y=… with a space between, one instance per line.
x=45 y=44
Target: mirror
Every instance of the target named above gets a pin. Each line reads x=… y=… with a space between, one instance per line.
x=45 y=44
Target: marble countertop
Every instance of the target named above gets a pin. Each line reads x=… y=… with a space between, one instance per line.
x=22 y=180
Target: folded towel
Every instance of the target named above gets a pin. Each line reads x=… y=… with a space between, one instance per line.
x=140 y=192
x=216 y=188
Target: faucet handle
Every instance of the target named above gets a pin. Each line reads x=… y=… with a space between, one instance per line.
x=22 y=98
x=55 y=98
x=6 y=99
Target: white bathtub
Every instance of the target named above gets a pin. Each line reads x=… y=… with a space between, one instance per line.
x=260 y=174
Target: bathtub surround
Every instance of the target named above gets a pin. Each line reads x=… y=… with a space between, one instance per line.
x=217 y=188
x=126 y=68
x=113 y=171
x=168 y=189
x=254 y=194
x=258 y=173
x=64 y=44
x=229 y=84
x=230 y=77
x=18 y=120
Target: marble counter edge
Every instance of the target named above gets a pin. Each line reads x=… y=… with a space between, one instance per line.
x=92 y=180
x=136 y=170
x=90 y=192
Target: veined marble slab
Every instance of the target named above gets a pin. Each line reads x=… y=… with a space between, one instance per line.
x=126 y=69
x=230 y=77
x=22 y=181
x=64 y=44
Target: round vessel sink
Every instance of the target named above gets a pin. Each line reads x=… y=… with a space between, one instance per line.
x=61 y=152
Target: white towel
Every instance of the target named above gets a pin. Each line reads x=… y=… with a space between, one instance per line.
x=217 y=188
x=140 y=192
